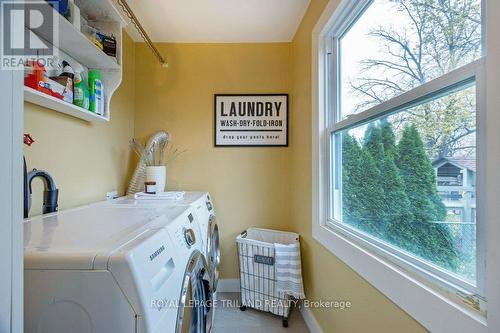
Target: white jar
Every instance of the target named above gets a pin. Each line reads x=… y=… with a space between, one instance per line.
x=157 y=174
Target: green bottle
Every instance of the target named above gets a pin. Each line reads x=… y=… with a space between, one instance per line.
x=80 y=92
x=96 y=90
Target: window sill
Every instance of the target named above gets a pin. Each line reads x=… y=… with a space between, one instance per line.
x=423 y=270
x=440 y=313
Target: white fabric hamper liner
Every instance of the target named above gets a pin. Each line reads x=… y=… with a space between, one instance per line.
x=256 y=253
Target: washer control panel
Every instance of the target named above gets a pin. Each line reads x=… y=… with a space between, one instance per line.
x=189 y=237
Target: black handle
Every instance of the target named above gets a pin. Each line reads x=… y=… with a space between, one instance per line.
x=50 y=198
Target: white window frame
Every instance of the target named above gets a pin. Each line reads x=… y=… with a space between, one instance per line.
x=472 y=73
x=437 y=300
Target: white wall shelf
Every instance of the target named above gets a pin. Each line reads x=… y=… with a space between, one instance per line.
x=81 y=53
x=74 y=43
x=39 y=98
x=99 y=10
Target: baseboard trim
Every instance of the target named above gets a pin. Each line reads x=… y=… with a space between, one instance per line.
x=310 y=320
x=228 y=286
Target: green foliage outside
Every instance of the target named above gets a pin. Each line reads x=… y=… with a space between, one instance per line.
x=389 y=191
x=430 y=39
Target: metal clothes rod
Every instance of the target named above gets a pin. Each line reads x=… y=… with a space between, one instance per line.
x=130 y=14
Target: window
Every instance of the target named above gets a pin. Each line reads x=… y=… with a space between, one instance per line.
x=381 y=58
x=403 y=134
x=389 y=187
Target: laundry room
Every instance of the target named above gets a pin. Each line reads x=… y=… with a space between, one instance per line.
x=273 y=165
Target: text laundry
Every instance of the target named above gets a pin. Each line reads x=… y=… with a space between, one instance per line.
x=250 y=109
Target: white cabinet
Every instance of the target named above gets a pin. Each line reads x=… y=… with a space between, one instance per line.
x=74 y=47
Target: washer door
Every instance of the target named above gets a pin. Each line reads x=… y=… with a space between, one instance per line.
x=195 y=304
x=213 y=251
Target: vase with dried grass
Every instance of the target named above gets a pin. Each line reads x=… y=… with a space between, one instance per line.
x=154 y=157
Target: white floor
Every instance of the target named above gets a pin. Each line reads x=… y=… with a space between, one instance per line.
x=230 y=319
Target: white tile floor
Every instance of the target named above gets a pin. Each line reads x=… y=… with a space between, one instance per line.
x=230 y=319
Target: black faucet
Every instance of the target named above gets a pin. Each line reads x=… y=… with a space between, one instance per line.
x=50 y=194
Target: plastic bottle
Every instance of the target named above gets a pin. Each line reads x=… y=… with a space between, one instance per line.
x=81 y=92
x=67 y=70
x=96 y=90
x=69 y=73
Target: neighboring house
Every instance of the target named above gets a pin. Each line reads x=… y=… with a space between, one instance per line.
x=456 y=185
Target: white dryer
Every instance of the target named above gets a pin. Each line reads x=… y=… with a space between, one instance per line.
x=103 y=269
x=195 y=313
x=205 y=212
x=204 y=208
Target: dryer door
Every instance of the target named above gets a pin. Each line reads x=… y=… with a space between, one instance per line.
x=213 y=251
x=195 y=304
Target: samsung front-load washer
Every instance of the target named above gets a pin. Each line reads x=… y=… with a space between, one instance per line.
x=195 y=306
x=195 y=312
x=206 y=219
x=102 y=269
x=205 y=212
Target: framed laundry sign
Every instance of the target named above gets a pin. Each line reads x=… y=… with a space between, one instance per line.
x=251 y=120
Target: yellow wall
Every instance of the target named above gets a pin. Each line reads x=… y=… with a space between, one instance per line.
x=86 y=159
x=249 y=185
x=325 y=276
x=267 y=187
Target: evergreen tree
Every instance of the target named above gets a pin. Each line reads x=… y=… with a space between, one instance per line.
x=396 y=203
x=429 y=240
x=419 y=177
x=388 y=138
x=351 y=160
x=363 y=196
x=393 y=201
x=374 y=145
x=371 y=194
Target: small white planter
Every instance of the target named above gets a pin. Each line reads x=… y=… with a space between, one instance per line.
x=157 y=174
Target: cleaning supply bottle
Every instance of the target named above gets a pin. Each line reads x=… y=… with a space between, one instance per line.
x=67 y=70
x=69 y=73
x=81 y=92
x=96 y=90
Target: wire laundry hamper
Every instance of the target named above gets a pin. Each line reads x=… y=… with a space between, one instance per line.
x=256 y=256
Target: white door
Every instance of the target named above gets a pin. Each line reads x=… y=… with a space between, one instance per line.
x=11 y=201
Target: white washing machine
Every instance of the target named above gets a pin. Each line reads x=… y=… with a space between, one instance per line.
x=195 y=313
x=103 y=269
x=204 y=208
x=205 y=212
